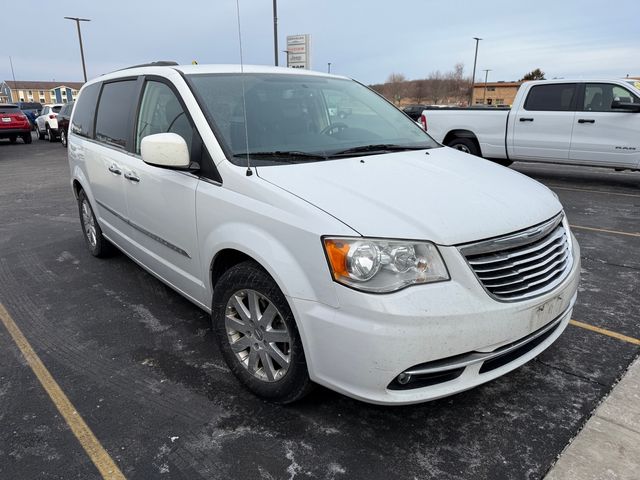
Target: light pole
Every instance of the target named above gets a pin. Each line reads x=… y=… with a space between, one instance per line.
x=78 y=20
x=486 y=75
x=275 y=33
x=328 y=67
x=473 y=76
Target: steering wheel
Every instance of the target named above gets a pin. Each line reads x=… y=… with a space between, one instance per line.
x=339 y=126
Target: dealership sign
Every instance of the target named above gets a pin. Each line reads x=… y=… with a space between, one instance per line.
x=299 y=51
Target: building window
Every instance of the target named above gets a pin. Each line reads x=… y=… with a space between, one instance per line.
x=53 y=93
x=499 y=101
x=41 y=93
x=491 y=89
x=479 y=102
x=42 y=100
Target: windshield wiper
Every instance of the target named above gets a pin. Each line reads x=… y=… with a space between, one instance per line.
x=380 y=147
x=290 y=156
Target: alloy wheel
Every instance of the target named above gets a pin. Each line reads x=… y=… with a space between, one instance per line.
x=89 y=223
x=258 y=335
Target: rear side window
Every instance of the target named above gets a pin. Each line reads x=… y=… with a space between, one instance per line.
x=56 y=109
x=114 y=113
x=558 y=97
x=83 y=117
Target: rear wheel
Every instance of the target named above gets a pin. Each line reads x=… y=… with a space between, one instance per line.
x=13 y=139
x=50 y=134
x=98 y=245
x=257 y=334
x=465 y=145
x=40 y=133
x=26 y=138
x=63 y=138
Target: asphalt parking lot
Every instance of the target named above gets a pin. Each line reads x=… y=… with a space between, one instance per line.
x=139 y=364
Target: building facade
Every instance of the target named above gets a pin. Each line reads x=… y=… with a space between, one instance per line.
x=495 y=93
x=34 y=91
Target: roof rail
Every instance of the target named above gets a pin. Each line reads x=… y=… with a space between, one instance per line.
x=160 y=63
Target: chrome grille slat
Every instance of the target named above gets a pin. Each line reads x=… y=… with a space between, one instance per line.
x=518 y=262
x=524 y=264
x=517 y=252
x=547 y=260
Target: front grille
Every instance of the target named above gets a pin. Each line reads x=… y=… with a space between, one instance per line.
x=524 y=264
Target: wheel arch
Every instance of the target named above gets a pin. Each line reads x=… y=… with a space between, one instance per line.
x=461 y=133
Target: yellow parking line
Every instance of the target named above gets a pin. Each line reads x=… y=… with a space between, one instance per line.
x=557 y=187
x=603 y=331
x=603 y=230
x=99 y=456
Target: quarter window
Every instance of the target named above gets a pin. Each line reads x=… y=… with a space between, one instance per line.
x=555 y=97
x=114 y=112
x=85 y=110
x=161 y=112
x=599 y=96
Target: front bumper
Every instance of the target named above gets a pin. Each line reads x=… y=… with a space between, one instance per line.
x=361 y=348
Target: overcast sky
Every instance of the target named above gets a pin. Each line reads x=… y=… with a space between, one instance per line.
x=363 y=39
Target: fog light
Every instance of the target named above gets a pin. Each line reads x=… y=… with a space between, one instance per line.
x=403 y=378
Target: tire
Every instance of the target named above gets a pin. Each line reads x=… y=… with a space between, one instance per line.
x=50 y=134
x=465 y=145
x=13 y=139
x=40 y=134
x=63 y=138
x=92 y=233
x=267 y=355
x=26 y=138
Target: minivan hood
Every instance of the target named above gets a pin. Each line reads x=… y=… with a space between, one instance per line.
x=441 y=195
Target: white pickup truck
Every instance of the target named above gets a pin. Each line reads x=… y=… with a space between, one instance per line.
x=579 y=122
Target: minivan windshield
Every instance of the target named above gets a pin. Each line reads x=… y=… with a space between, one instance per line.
x=302 y=118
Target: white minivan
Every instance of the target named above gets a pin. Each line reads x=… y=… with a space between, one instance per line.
x=351 y=251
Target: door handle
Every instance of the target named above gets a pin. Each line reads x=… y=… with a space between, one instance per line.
x=115 y=169
x=585 y=120
x=131 y=177
x=523 y=119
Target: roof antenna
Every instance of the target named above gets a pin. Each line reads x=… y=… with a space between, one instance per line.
x=244 y=102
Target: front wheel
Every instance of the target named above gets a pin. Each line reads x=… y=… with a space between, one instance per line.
x=98 y=245
x=257 y=334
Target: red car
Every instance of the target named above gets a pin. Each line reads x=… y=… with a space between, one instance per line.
x=14 y=124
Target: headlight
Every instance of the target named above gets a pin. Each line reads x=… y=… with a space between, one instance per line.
x=377 y=265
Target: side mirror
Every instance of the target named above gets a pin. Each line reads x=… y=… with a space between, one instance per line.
x=628 y=106
x=165 y=150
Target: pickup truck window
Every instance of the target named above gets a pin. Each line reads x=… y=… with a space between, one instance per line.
x=598 y=97
x=555 y=97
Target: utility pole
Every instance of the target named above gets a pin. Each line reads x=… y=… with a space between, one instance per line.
x=15 y=86
x=473 y=76
x=78 y=20
x=275 y=33
x=328 y=67
x=486 y=75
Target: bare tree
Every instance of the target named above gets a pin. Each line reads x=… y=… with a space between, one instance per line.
x=396 y=87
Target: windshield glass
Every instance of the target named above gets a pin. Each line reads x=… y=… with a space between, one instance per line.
x=294 y=117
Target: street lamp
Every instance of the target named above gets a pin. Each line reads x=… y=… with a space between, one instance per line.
x=473 y=76
x=328 y=67
x=275 y=32
x=78 y=20
x=486 y=75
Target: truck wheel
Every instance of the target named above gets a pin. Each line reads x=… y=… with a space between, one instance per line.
x=465 y=145
x=257 y=334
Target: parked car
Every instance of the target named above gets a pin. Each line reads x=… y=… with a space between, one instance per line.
x=578 y=122
x=358 y=254
x=14 y=123
x=47 y=122
x=31 y=110
x=63 y=122
x=414 y=111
